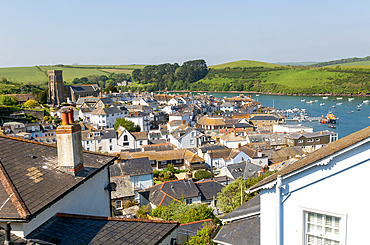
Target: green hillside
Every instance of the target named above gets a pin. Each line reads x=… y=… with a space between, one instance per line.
x=360 y=64
x=244 y=63
x=38 y=74
x=342 y=61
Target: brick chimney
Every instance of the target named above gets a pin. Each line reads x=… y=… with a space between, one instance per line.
x=69 y=143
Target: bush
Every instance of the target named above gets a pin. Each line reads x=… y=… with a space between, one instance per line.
x=202 y=174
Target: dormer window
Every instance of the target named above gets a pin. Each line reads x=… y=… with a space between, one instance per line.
x=88 y=135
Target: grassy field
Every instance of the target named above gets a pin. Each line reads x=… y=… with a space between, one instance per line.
x=37 y=75
x=360 y=64
x=243 y=63
x=291 y=78
x=23 y=74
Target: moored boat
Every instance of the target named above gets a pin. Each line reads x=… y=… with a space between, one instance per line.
x=365 y=101
x=322 y=104
x=350 y=99
x=325 y=98
x=330 y=118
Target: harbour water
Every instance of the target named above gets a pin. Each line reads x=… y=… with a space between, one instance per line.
x=348 y=122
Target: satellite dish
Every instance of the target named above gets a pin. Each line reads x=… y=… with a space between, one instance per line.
x=111 y=187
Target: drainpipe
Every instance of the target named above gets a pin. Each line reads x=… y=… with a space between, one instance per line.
x=7 y=230
x=278 y=209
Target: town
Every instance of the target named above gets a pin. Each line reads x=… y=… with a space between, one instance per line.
x=96 y=162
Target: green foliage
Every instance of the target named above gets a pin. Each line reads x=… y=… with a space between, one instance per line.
x=111 y=88
x=128 y=125
x=202 y=174
x=203 y=236
x=230 y=196
x=183 y=213
x=31 y=103
x=342 y=61
x=8 y=100
x=142 y=212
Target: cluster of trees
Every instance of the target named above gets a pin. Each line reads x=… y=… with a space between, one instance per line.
x=233 y=195
x=8 y=100
x=9 y=87
x=184 y=213
x=127 y=124
x=171 y=76
x=103 y=81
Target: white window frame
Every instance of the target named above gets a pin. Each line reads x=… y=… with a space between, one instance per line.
x=310 y=140
x=300 y=141
x=342 y=225
x=119 y=205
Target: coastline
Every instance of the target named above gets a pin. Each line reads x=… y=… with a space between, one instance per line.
x=270 y=93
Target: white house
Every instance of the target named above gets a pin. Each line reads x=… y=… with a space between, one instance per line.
x=141 y=119
x=227 y=106
x=101 y=140
x=178 y=116
x=224 y=157
x=105 y=117
x=184 y=137
x=233 y=141
x=127 y=140
x=320 y=199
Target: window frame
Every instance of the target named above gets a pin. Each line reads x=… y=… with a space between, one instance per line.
x=116 y=202
x=342 y=225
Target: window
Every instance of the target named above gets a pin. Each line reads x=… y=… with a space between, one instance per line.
x=125 y=138
x=111 y=148
x=192 y=142
x=110 y=140
x=309 y=140
x=118 y=204
x=323 y=229
x=136 y=182
x=99 y=141
x=318 y=139
x=100 y=148
x=87 y=142
x=88 y=149
x=188 y=201
x=300 y=141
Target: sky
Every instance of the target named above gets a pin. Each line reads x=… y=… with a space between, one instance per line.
x=154 y=32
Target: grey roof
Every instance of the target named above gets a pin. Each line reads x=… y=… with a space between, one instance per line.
x=82 y=100
x=309 y=135
x=132 y=167
x=83 y=229
x=84 y=88
x=209 y=189
x=106 y=111
x=250 y=170
x=211 y=147
x=236 y=169
x=250 y=207
x=159 y=147
x=241 y=232
x=154 y=135
x=264 y=118
x=20 y=158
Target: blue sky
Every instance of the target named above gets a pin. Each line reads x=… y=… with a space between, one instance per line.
x=154 y=32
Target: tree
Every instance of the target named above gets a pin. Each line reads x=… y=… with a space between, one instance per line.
x=111 y=88
x=128 y=125
x=142 y=212
x=184 y=213
x=202 y=174
x=230 y=196
x=8 y=100
x=31 y=103
x=203 y=236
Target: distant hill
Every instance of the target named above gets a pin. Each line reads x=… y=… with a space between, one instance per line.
x=296 y=63
x=342 y=61
x=360 y=64
x=244 y=63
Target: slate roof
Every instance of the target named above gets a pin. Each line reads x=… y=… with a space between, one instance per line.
x=211 y=147
x=321 y=153
x=132 y=167
x=84 y=88
x=232 y=137
x=106 y=111
x=226 y=154
x=209 y=189
x=82 y=229
x=236 y=169
x=140 y=135
x=31 y=180
x=250 y=207
x=123 y=187
x=241 y=232
x=267 y=118
x=310 y=135
x=158 y=147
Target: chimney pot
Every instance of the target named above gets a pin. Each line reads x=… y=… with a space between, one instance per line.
x=64 y=118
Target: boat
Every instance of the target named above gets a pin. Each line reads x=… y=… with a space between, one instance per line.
x=365 y=101
x=339 y=103
x=333 y=106
x=257 y=95
x=351 y=112
x=322 y=104
x=359 y=105
x=330 y=118
x=309 y=102
x=303 y=100
x=316 y=100
x=358 y=109
x=333 y=100
x=339 y=98
x=332 y=126
x=324 y=98
x=350 y=99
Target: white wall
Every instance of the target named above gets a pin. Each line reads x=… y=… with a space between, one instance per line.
x=88 y=199
x=338 y=188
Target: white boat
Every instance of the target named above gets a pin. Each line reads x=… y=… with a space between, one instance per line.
x=316 y=100
x=339 y=98
x=365 y=101
x=324 y=98
x=303 y=100
x=321 y=104
x=309 y=102
x=359 y=105
x=339 y=103
x=333 y=106
x=350 y=99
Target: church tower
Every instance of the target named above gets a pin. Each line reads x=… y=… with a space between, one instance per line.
x=57 y=94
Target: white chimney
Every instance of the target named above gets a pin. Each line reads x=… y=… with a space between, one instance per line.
x=69 y=143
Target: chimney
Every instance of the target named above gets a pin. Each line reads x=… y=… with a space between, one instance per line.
x=69 y=144
x=7 y=230
x=259 y=172
x=259 y=153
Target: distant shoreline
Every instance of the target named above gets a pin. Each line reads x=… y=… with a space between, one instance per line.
x=269 y=93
